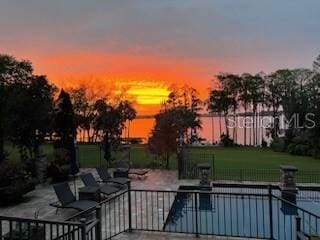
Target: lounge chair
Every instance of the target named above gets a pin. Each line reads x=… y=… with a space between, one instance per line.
x=122 y=165
x=88 y=180
x=107 y=178
x=123 y=169
x=68 y=200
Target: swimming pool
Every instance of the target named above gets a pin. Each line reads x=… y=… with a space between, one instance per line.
x=241 y=213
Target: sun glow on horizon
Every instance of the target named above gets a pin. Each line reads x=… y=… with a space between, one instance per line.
x=147 y=92
x=146 y=95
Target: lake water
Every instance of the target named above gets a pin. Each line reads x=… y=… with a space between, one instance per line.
x=141 y=128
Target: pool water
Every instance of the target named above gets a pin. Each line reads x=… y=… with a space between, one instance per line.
x=240 y=215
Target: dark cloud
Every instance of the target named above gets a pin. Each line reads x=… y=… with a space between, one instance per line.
x=266 y=33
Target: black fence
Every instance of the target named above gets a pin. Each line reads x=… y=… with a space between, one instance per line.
x=250 y=215
x=263 y=175
x=113 y=216
x=189 y=160
x=23 y=228
x=261 y=213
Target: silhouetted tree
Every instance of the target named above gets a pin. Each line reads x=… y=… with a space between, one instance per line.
x=12 y=71
x=64 y=124
x=26 y=106
x=65 y=128
x=84 y=112
x=230 y=84
x=170 y=126
x=188 y=98
x=31 y=108
x=128 y=113
x=273 y=102
x=110 y=119
x=163 y=139
x=3 y=98
x=220 y=101
x=256 y=89
x=245 y=98
x=316 y=65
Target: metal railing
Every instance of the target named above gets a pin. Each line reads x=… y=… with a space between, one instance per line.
x=250 y=215
x=263 y=175
x=255 y=214
x=111 y=217
x=190 y=159
x=34 y=229
x=298 y=221
x=200 y=213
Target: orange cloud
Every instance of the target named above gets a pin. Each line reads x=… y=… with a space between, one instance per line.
x=146 y=79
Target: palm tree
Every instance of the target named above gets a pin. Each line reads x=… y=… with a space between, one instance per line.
x=220 y=102
x=128 y=113
x=214 y=105
x=245 y=98
x=256 y=94
x=273 y=101
x=231 y=84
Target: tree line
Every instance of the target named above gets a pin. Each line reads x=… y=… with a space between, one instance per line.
x=293 y=93
x=97 y=117
x=32 y=111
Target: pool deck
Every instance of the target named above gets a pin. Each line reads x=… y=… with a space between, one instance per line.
x=36 y=203
x=166 y=236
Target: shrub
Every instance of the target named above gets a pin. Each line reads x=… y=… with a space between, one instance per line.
x=9 y=172
x=58 y=169
x=278 y=145
x=226 y=141
x=264 y=144
x=300 y=149
x=14 y=183
x=316 y=153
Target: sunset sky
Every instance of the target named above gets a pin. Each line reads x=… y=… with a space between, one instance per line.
x=144 y=46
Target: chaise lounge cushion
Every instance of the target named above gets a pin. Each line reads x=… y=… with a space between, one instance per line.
x=88 y=180
x=82 y=205
x=106 y=189
x=106 y=177
x=68 y=200
x=64 y=194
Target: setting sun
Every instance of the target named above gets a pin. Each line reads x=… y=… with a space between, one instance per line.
x=149 y=95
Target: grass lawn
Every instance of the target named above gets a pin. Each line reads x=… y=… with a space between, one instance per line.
x=231 y=158
x=257 y=158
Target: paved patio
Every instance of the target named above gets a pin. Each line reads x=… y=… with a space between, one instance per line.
x=166 y=236
x=36 y=203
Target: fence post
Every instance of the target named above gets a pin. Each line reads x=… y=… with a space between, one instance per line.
x=98 y=226
x=270 y=211
x=83 y=229
x=298 y=227
x=100 y=155
x=196 y=210
x=129 y=206
x=213 y=169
